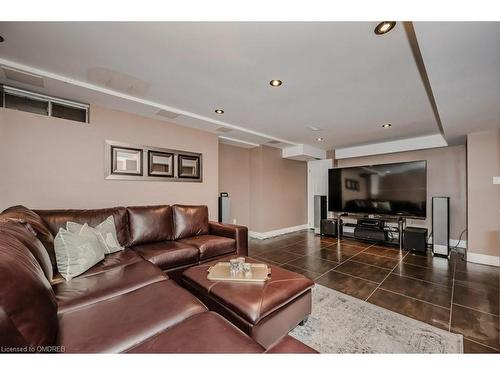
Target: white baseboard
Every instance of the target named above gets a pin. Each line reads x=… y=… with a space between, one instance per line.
x=461 y=244
x=277 y=232
x=489 y=260
x=453 y=243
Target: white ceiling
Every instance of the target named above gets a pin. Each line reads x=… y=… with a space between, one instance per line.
x=338 y=76
x=463 y=64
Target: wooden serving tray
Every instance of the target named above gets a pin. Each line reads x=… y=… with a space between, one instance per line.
x=220 y=272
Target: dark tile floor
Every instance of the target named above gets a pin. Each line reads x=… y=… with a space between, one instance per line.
x=448 y=293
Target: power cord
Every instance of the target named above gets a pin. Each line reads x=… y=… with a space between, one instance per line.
x=459 y=239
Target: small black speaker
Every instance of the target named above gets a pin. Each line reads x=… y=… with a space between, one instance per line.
x=328 y=227
x=415 y=239
x=320 y=212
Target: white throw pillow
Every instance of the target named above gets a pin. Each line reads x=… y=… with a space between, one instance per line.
x=77 y=252
x=106 y=232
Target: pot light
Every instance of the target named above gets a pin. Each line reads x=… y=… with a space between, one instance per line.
x=386 y=125
x=275 y=82
x=384 y=27
x=219 y=111
x=319 y=139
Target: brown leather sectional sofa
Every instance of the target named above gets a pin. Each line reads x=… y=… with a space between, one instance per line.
x=129 y=302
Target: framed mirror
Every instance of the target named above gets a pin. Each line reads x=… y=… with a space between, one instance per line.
x=126 y=161
x=160 y=164
x=189 y=166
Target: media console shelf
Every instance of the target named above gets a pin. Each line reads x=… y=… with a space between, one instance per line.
x=392 y=234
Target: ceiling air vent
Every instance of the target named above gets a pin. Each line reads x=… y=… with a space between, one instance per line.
x=22 y=77
x=223 y=130
x=167 y=114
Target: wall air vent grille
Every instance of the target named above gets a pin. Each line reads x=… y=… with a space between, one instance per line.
x=23 y=77
x=223 y=130
x=167 y=114
x=27 y=101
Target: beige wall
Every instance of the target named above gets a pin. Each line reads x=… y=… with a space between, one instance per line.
x=446 y=176
x=234 y=178
x=55 y=163
x=267 y=191
x=278 y=196
x=483 y=162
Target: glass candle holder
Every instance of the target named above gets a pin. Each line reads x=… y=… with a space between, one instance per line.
x=247 y=269
x=234 y=266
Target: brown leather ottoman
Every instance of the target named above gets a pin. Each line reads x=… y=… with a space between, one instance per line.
x=265 y=311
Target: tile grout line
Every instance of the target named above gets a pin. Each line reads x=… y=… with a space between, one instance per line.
x=416 y=299
x=385 y=278
x=480 y=343
x=452 y=295
x=356 y=277
x=372 y=265
x=477 y=310
x=422 y=280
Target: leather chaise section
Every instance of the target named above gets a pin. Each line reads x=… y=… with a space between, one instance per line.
x=211 y=246
x=202 y=333
x=168 y=254
x=26 y=298
x=83 y=291
x=120 y=323
x=289 y=345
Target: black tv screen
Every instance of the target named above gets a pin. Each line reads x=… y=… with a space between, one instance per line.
x=396 y=189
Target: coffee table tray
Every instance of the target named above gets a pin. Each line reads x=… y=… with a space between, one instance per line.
x=220 y=272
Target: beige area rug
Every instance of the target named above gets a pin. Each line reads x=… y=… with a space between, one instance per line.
x=343 y=324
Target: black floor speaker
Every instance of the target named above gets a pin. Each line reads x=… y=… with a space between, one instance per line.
x=328 y=227
x=415 y=239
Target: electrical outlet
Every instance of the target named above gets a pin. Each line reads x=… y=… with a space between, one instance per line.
x=496 y=180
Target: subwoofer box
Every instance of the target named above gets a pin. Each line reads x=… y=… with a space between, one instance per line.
x=415 y=239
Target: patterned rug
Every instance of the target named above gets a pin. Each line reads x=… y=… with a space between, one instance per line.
x=343 y=324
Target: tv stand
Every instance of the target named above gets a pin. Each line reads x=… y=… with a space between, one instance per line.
x=373 y=229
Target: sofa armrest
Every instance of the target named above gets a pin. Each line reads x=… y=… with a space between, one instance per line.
x=237 y=232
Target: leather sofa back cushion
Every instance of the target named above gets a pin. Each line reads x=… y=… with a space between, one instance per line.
x=189 y=221
x=36 y=222
x=23 y=232
x=26 y=297
x=149 y=224
x=55 y=219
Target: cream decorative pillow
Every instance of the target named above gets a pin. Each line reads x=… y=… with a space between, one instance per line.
x=106 y=232
x=77 y=252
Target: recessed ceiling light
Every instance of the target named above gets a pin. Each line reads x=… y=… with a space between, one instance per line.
x=219 y=111
x=384 y=27
x=319 y=139
x=275 y=82
x=1 y=39
x=386 y=125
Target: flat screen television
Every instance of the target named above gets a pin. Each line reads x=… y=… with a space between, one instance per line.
x=396 y=189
